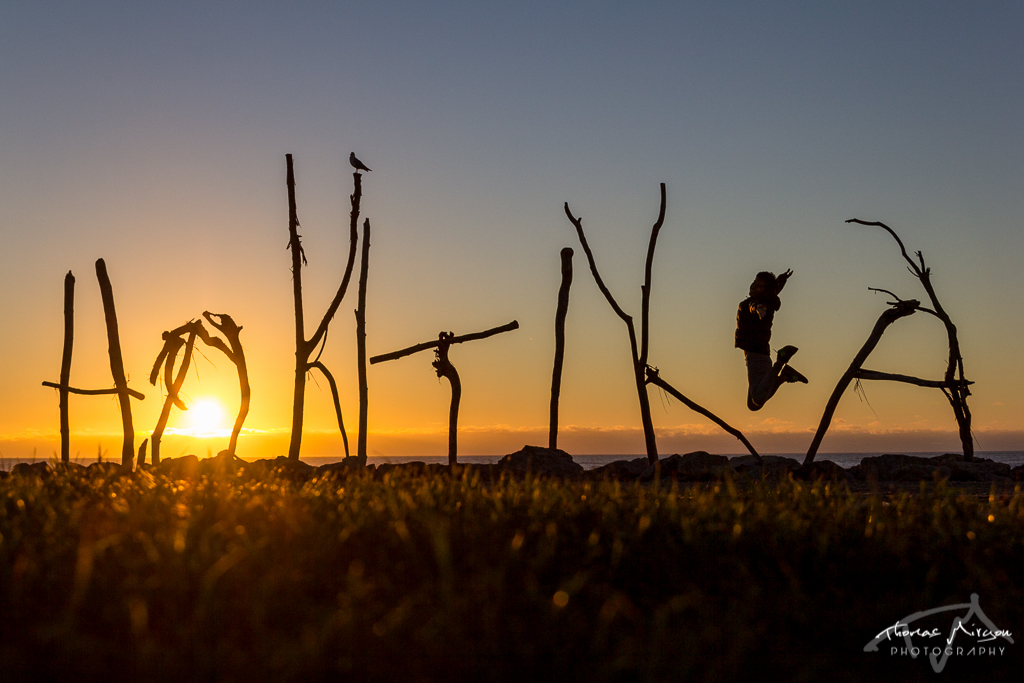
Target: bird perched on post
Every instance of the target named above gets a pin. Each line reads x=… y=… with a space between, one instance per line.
x=356 y=164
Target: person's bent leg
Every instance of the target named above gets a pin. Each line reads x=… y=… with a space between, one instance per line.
x=762 y=379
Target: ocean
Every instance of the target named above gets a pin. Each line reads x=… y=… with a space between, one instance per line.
x=589 y=462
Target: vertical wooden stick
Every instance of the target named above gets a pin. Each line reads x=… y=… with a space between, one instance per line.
x=117 y=365
x=301 y=354
x=445 y=369
x=65 y=366
x=556 y=373
x=364 y=267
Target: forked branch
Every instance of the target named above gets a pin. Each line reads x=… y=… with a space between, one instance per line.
x=654 y=378
x=956 y=387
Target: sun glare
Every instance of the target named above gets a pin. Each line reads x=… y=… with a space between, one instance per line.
x=206 y=417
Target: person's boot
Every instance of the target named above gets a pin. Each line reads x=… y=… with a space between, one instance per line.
x=785 y=353
x=788 y=374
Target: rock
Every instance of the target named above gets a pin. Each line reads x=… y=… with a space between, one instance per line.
x=979 y=469
x=281 y=467
x=540 y=461
x=771 y=467
x=105 y=469
x=620 y=470
x=821 y=469
x=695 y=466
x=70 y=467
x=1017 y=473
x=699 y=465
x=951 y=466
x=185 y=467
x=222 y=464
x=416 y=469
x=342 y=469
x=31 y=469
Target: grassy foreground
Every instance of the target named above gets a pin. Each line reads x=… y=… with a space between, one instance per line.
x=420 y=578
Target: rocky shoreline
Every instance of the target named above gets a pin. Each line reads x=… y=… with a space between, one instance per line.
x=883 y=473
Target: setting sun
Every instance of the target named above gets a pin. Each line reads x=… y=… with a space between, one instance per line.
x=206 y=417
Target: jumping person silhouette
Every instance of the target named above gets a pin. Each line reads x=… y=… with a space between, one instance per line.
x=753 y=334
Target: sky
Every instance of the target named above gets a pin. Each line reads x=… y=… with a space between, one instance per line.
x=154 y=135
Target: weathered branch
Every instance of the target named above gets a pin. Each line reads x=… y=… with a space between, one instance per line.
x=416 y=348
x=930 y=383
x=304 y=348
x=301 y=354
x=117 y=364
x=560 y=315
x=142 y=453
x=168 y=354
x=922 y=309
x=645 y=301
x=654 y=378
x=236 y=354
x=355 y=198
x=888 y=317
x=956 y=393
x=903 y=250
x=65 y=366
x=95 y=392
x=578 y=222
x=445 y=369
x=364 y=397
x=337 y=400
x=173 y=386
x=637 y=355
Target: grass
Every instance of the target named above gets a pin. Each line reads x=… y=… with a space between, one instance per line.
x=419 y=578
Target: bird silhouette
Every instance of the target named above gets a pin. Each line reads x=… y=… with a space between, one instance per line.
x=356 y=164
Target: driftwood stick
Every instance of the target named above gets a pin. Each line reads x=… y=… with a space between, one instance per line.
x=364 y=399
x=931 y=383
x=236 y=354
x=578 y=223
x=301 y=353
x=445 y=369
x=117 y=364
x=173 y=387
x=922 y=309
x=956 y=392
x=168 y=354
x=95 y=392
x=903 y=250
x=354 y=198
x=337 y=400
x=556 y=373
x=645 y=301
x=395 y=355
x=304 y=348
x=638 y=353
x=654 y=378
x=142 y=453
x=650 y=439
x=888 y=317
x=65 y=366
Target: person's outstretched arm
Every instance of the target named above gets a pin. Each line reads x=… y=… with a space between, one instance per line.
x=784 y=278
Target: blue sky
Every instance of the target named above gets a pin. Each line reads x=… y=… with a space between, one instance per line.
x=154 y=135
